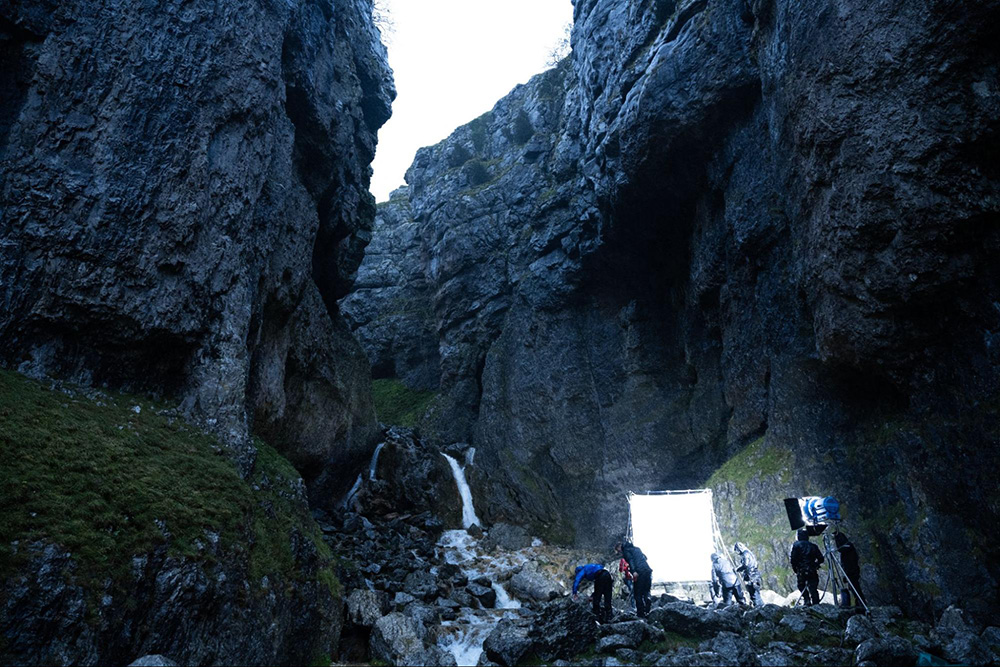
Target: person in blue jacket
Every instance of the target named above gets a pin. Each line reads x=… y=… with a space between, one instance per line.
x=602 y=588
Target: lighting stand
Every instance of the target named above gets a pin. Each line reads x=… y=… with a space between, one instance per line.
x=835 y=571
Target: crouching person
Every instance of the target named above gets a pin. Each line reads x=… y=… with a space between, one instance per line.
x=603 y=583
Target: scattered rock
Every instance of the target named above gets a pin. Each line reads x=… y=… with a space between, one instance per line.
x=735 y=650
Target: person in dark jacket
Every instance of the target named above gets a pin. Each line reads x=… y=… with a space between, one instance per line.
x=725 y=579
x=643 y=576
x=805 y=558
x=603 y=583
x=746 y=565
x=852 y=567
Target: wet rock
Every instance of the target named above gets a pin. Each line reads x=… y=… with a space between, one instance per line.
x=475 y=531
x=532 y=584
x=691 y=621
x=507 y=644
x=153 y=661
x=483 y=581
x=365 y=607
x=486 y=595
x=885 y=652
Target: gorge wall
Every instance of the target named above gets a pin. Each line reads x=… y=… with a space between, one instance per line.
x=742 y=244
x=184 y=197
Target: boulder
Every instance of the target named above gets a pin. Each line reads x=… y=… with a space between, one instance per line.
x=887 y=652
x=531 y=584
x=398 y=639
x=686 y=619
x=612 y=643
x=991 y=636
x=563 y=630
x=153 y=661
x=859 y=629
x=475 y=531
x=422 y=585
x=958 y=642
x=485 y=594
x=365 y=607
x=636 y=631
x=735 y=650
x=507 y=537
x=507 y=644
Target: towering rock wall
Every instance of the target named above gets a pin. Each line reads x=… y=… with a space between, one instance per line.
x=451 y=251
x=774 y=277
x=183 y=197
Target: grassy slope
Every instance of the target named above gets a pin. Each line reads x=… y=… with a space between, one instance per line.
x=397 y=404
x=99 y=478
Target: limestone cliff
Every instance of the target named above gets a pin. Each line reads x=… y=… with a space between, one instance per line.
x=183 y=197
x=776 y=224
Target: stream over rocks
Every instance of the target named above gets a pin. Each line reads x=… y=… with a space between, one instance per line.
x=420 y=594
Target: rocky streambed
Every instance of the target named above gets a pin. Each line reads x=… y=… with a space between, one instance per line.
x=421 y=590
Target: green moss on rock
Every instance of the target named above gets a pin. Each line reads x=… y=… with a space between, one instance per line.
x=108 y=476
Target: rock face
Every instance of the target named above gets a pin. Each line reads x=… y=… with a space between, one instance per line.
x=184 y=198
x=722 y=223
x=453 y=249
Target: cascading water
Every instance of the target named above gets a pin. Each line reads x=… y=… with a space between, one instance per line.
x=353 y=492
x=464 y=637
x=468 y=510
x=373 y=468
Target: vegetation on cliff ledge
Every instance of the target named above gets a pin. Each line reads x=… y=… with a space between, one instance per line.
x=398 y=405
x=108 y=476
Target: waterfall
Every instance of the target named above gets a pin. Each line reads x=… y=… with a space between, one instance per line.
x=374 y=464
x=468 y=511
x=346 y=502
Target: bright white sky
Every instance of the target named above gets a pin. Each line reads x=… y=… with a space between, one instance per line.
x=453 y=59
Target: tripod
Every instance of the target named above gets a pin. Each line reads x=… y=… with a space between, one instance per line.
x=835 y=571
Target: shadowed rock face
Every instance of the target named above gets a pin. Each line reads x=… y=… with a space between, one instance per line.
x=779 y=221
x=184 y=197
